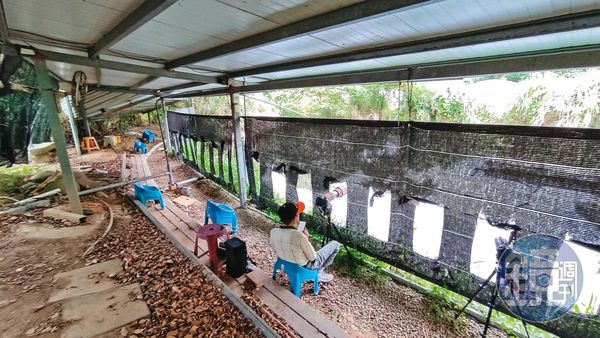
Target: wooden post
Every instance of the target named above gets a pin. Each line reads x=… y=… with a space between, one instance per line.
x=57 y=131
x=239 y=147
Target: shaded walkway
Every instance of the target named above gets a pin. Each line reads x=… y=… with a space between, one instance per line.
x=298 y=315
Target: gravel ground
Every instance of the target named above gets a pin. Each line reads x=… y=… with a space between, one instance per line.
x=362 y=307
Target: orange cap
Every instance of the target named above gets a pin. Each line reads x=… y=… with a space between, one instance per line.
x=300 y=205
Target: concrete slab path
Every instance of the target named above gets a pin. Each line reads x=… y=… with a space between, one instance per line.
x=86 y=280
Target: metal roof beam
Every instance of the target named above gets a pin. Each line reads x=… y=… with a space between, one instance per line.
x=181 y=86
x=144 y=82
x=544 y=60
x=97 y=97
x=111 y=102
x=144 y=13
x=124 y=105
x=120 y=66
x=127 y=106
x=117 y=89
x=102 y=117
x=354 y=13
x=570 y=22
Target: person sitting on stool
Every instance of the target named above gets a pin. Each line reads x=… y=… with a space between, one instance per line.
x=293 y=246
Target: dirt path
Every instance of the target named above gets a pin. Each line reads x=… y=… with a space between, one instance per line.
x=363 y=307
x=30 y=255
x=181 y=301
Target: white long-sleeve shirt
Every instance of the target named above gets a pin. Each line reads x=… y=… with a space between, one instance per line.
x=292 y=245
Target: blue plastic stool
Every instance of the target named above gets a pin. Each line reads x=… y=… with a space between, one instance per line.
x=297 y=275
x=146 y=193
x=221 y=213
x=148 y=135
x=139 y=146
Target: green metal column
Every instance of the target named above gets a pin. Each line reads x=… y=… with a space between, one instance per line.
x=57 y=131
x=167 y=138
x=73 y=124
x=239 y=147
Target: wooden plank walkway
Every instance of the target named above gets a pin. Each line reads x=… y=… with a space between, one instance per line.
x=305 y=320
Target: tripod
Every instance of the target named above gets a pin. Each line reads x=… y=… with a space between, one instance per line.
x=492 y=302
x=327 y=233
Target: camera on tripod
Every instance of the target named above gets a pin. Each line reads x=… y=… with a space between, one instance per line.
x=505 y=256
x=323 y=203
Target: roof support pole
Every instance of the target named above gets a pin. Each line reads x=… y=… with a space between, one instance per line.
x=73 y=124
x=166 y=139
x=164 y=132
x=239 y=147
x=57 y=131
x=83 y=114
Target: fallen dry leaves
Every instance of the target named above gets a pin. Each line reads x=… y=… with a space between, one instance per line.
x=181 y=301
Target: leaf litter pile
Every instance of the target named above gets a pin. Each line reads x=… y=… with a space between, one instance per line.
x=181 y=301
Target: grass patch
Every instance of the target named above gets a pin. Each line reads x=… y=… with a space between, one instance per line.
x=438 y=309
x=14 y=177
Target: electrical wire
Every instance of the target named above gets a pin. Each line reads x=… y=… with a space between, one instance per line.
x=276 y=105
x=50 y=39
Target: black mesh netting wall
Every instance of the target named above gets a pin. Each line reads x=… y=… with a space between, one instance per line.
x=546 y=180
x=205 y=143
x=22 y=117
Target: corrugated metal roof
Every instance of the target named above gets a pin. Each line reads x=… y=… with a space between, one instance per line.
x=76 y=21
x=186 y=27
x=559 y=40
x=441 y=18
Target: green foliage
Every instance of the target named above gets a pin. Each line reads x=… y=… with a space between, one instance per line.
x=513 y=77
x=371 y=101
x=527 y=107
x=440 y=310
x=22 y=118
x=516 y=77
x=344 y=265
x=212 y=105
x=487 y=77
x=393 y=101
x=12 y=178
x=569 y=73
x=429 y=106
